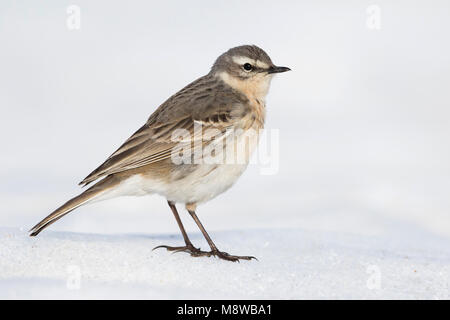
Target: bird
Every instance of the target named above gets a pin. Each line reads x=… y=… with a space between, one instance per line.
x=167 y=156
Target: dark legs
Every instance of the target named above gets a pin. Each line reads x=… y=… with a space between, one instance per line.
x=202 y=229
x=214 y=251
x=195 y=252
x=188 y=242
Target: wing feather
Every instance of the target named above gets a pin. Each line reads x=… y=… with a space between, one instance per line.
x=154 y=141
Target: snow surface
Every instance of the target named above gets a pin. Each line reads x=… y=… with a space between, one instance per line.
x=358 y=208
x=293 y=264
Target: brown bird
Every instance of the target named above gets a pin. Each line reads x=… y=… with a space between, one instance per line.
x=188 y=150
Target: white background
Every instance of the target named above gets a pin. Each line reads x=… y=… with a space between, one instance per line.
x=363 y=116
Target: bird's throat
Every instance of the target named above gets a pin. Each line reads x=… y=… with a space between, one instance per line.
x=254 y=88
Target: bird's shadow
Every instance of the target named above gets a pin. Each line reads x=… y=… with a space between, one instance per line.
x=115 y=237
x=158 y=236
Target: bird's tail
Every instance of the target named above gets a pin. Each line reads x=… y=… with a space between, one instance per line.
x=87 y=196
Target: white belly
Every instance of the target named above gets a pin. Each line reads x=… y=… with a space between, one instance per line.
x=202 y=184
x=207 y=182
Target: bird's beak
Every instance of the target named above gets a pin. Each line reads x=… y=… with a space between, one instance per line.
x=275 y=69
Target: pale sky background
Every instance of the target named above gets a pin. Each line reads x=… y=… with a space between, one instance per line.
x=363 y=116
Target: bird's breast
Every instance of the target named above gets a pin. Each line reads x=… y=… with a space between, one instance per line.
x=255 y=119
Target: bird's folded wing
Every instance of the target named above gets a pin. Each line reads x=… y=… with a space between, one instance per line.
x=158 y=141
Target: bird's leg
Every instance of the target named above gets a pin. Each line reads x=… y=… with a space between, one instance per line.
x=188 y=247
x=214 y=251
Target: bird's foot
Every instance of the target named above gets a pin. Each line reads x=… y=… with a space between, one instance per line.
x=189 y=248
x=225 y=256
x=196 y=252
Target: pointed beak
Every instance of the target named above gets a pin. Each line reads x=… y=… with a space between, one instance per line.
x=275 y=69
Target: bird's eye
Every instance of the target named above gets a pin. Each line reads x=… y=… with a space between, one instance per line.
x=248 y=67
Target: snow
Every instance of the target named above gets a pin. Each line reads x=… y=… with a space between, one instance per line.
x=293 y=264
x=358 y=203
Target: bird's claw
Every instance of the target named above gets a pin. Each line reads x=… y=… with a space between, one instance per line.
x=187 y=248
x=196 y=252
x=229 y=257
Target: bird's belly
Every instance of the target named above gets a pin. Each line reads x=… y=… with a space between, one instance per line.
x=195 y=183
x=205 y=183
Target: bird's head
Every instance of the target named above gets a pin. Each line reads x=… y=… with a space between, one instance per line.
x=247 y=69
